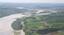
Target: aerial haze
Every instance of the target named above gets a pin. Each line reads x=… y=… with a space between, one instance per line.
x=32 y=1
x=31 y=17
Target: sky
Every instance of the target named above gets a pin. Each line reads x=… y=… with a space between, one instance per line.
x=33 y=1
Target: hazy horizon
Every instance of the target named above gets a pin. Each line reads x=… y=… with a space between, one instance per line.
x=32 y=1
